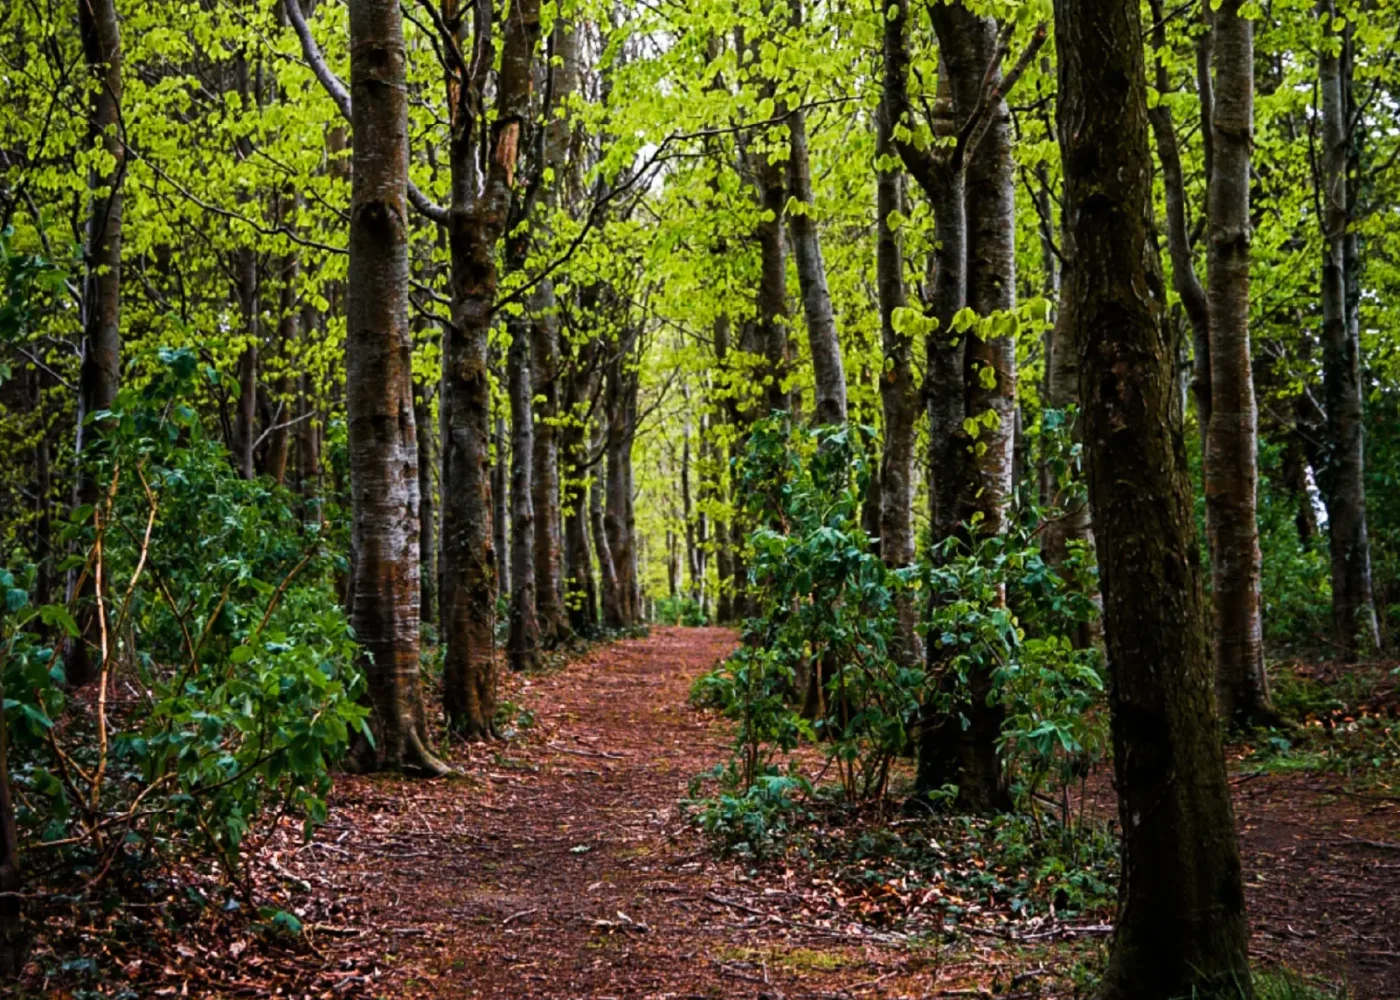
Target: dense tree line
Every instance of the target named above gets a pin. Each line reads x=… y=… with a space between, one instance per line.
x=507 y=291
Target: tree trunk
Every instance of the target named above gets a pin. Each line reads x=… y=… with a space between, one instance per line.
x=1231 y=469
x=476 y=221
x=728 y=536
x=614 y=615
x=1181 y=926
x=100 y=371
x=548 y=569
x=618 y=519
x=579 y=396
x=899 y=395
x=1342 y=467
x=379 y=389
x=772 y=285
x=427 y=520
x=969 y=45
x=563 y=75
x=523 y=644
x=822 y=338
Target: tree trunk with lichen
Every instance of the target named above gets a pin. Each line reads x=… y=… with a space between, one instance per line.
x=1181 y=928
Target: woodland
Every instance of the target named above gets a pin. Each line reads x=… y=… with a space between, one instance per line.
x=700 y=498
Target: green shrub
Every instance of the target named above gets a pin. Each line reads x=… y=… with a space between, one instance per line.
x=228 y=686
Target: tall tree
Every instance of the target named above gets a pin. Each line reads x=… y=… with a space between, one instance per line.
x=523 y=639
x=1342 y=465
x=1181 y=927
x=899 y=391
x=1232 y=430
x=100 y=372
x=379 y=389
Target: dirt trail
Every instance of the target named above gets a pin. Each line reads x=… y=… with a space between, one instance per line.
x=560 y=868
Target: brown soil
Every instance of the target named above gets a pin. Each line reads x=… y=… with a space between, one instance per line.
x=560 y=867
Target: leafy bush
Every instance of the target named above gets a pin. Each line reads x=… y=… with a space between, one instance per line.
x=820 y=664
x=680 y=611
x=227 y=684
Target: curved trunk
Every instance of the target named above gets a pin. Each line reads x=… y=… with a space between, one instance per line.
x=379 y=390
x=1181 y=926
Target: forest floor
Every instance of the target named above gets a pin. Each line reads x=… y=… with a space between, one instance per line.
x=562 y=866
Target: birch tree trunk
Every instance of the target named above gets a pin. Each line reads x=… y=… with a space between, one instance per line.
x=1181 y=927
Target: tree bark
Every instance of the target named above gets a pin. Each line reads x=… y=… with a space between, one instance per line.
x=379 y=389
x=828 y=372
x=1231 y=455
x=427 y=519
x=100 y=371
x=523 y=643
x=476 y=221
x=1341 y=470
x=1181 y=927
x=618 y=517
x=899 y=395
x=579 y=397
x=614 y=614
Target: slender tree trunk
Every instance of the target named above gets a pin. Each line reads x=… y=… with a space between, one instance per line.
x=728 y=536
x=563 y=74
x=825 y=344
x=1341 y=471
x=899 y=395
x=614 y=615
x=427 y=519
x=772 y=285
x=500 y=495
x=579 y=396
x=379 y=389
x=1231 y=469
x=688 y=518
x=523 y=644
x=969 y=44
x=1181 y=927
x=618 y=520
x=100 y=372
x=548 y=568
x=245 y=430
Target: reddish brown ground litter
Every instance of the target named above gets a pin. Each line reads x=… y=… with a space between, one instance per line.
x=561 y=867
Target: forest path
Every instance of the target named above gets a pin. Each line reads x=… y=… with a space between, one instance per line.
x=561 y=868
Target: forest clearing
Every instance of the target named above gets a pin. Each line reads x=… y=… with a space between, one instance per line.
x=673 y=499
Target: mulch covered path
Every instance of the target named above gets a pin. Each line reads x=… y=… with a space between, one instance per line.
x=561 y=868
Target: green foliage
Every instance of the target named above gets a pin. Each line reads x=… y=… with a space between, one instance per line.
x=680 y=611
x=822 y=662
x=227 y=684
